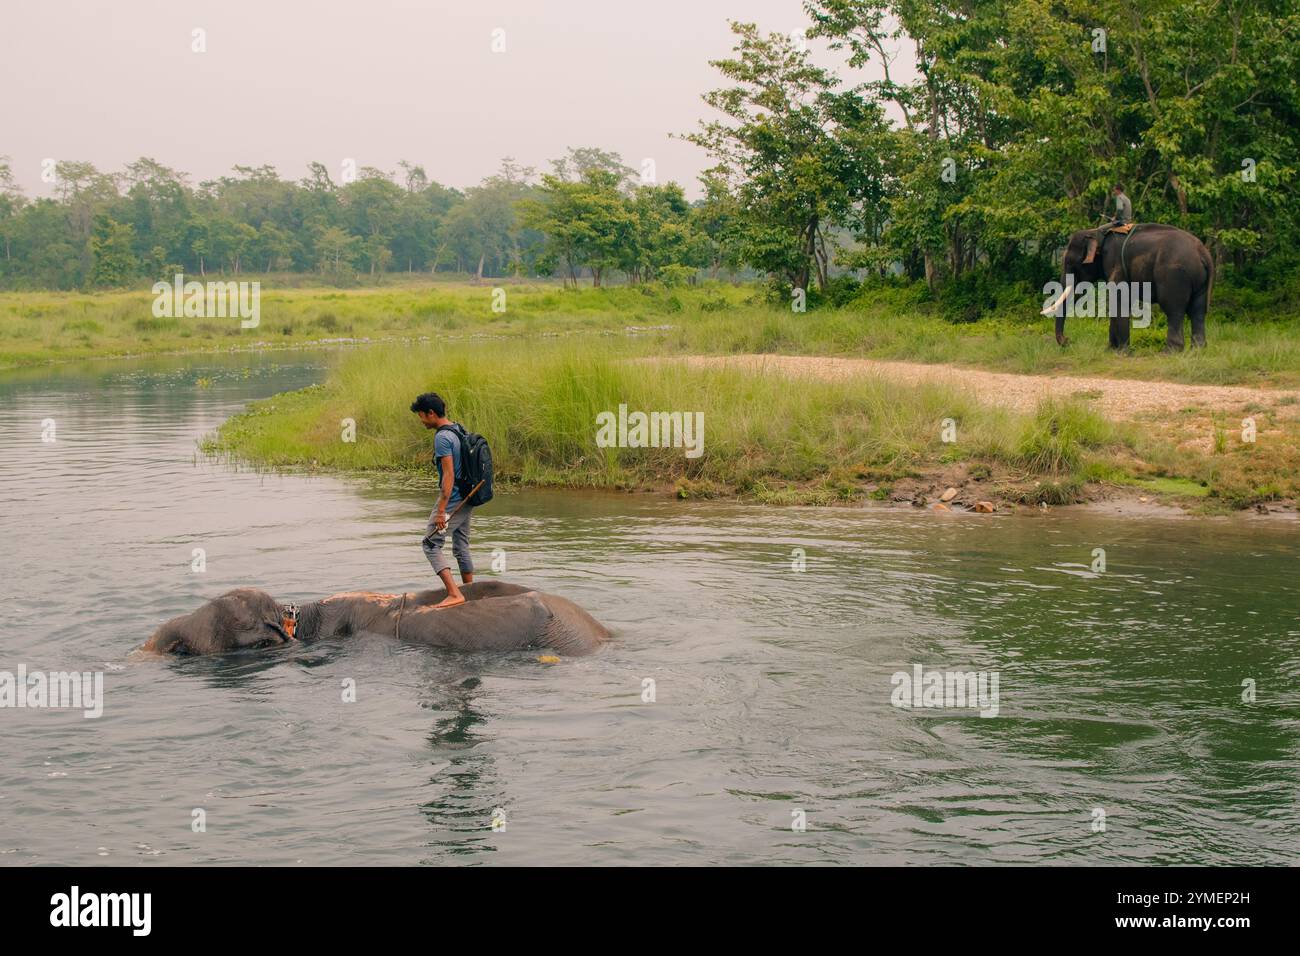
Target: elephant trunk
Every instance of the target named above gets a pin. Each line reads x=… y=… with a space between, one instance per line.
x=1057 y=307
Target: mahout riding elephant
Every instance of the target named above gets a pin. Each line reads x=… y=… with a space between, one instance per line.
x=495 y=616
x=1176 y=264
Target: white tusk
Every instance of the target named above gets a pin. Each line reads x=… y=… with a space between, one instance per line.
x=1059 y=299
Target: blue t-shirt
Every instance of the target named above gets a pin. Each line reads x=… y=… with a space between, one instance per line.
x=447 y=442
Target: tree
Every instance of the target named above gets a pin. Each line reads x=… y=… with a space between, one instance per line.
x=272 y=246
x=586 y=223
x=157 y=206
x=414 y=177
x=417 y=240
x=371 y=206
x=578 y=161
x=114 y=262
x=337 y=250
x=83 y=192
x=781 y=152
x=664 y=234
x=43 y=235
x=715 y=218
x=1192 y=105
x=12 y=202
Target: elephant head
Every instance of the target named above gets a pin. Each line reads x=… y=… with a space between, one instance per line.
x=242 y=618
x=1081 y=262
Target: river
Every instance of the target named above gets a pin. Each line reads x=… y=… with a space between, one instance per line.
x=769 y=640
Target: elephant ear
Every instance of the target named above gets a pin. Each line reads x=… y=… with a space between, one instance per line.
x=1092 y=249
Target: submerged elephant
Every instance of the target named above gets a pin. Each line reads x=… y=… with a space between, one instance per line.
x=495 y=616
x=1175 y=263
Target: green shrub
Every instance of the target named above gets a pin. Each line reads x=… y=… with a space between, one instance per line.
x=1055 y=439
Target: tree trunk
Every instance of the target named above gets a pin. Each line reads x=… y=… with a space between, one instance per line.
x=799 y=278
x=822 y=259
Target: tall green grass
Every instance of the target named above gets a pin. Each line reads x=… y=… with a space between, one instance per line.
x=1059 y=434
x=39 y=327
x=889 y=323
x=765 y=435
x=1242 y=353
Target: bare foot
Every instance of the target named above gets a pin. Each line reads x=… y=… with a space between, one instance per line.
x=450 y=600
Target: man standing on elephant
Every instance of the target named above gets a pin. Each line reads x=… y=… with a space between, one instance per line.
x=432 y=412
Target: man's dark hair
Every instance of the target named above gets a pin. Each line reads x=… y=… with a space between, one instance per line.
x=430 y=402
x=1119 y=187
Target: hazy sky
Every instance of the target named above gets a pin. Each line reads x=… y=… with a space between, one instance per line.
x=288 y=81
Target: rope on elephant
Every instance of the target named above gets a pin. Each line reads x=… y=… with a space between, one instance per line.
x=400 y=608
x=1127 y=236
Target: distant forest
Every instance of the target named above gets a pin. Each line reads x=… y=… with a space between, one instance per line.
x=590 y=215
x=1024 y=115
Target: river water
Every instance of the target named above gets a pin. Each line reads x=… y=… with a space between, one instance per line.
x=1120 y=736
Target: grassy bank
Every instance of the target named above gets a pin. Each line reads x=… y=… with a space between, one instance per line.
x=40 y=327
x=898 y=323
x=765 y=437
x=1253 y=339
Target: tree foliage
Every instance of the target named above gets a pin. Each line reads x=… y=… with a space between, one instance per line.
x=1021 y=117
x=149 y=221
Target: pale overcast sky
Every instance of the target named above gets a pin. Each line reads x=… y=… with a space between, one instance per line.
x=284 y=82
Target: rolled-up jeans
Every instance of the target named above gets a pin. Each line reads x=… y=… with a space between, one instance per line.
x=458 y=528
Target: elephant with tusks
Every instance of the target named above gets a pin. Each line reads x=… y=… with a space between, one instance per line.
x=1171 y=264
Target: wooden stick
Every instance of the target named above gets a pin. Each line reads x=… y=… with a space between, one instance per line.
x=472 y=492
x=456 y=510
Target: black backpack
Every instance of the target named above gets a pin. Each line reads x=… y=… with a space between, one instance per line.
x=475 y=466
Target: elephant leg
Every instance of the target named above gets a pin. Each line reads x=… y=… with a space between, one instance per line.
x=1120 y=326
x=1174 y=337
x=1174 y=305
x=1196 y=313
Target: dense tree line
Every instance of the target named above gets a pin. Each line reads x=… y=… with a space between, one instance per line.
x=588 y=217
x=1024 y=115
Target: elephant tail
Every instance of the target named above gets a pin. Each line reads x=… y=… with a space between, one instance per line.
x=1208 y=261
